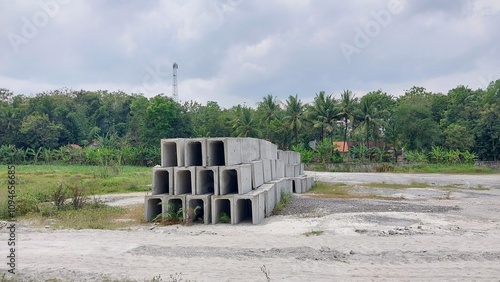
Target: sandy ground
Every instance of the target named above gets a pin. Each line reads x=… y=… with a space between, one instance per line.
x=431 y=234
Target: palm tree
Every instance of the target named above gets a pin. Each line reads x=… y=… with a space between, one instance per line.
x=323 y=113
x=270 y=107
x=346 y=110
x=391 y=134
x=294 y=115
x=368 y=119
x=245 y=125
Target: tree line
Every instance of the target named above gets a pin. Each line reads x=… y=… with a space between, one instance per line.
x=127 y=128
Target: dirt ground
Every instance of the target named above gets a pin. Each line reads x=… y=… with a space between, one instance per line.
x=449 y=230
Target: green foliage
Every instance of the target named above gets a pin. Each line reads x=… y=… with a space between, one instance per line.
x=415 y=126
x=416 y=156
x=458 y=137
x=174 y=213
x=294 y=115
x=437 y=154
x=307 y=156
x=59 y=195
x=286 y=198
x=78 y=195
x=26 y=203
x=224 y=218
x=245 y=125
x=346 y=108
x=323 y=114
x=115 y=128
x=38 y=131
x=326 y=153
x=359 y=152
x=468 y=157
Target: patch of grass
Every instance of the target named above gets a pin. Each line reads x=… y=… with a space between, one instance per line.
x=453 y=185
x=93 y=215
x=357 y=196
x=86 y=218
x=286 y=198
x=446 y=169
x=133 y=214
x=481 y=188
x=325 y=188
x=341 y=191
x=413 y=184
x=313 y=233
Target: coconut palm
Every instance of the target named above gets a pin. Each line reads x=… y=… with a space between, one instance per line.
x=270 y=108
x=323 y=113
x=370 y=121
x=245 y=125
x=294 y=115
x=346 y=110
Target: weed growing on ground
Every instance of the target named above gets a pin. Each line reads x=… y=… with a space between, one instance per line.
x=173 y=215
x=286 y=198
x=59 y=195
x=224 y=218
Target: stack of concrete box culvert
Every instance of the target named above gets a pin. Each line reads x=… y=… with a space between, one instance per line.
x=238 y=179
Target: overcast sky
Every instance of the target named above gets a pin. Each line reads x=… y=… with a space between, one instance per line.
x=238 y=51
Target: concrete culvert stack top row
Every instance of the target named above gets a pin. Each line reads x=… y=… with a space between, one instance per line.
x=222 y=180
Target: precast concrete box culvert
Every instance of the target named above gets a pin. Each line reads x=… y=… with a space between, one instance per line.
x=222 y=180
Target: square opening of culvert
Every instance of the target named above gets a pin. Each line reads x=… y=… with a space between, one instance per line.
x=169 y=156
x=194 y=154
x=196 y=210
x=229 y=182
x=216 y=153
x=154 y=209
x=183 y=180
x=294 y=190
x=206 y=182
x=243 y=210
x=161 y=182
x=222 y=211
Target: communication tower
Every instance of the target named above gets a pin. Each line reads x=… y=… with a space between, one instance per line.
x=175 y=93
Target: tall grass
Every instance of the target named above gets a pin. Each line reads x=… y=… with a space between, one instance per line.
x=37 y=184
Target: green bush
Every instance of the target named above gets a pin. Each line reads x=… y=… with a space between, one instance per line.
x=224 y=218
x=26 y=203
x=306 y=156
x=325 y=151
